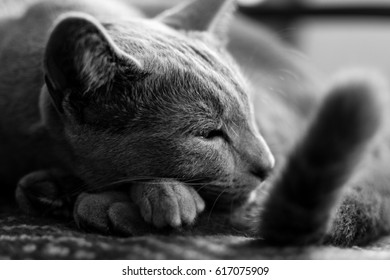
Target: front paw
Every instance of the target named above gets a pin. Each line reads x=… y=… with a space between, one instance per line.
x=167 y=203
x=109 y=212
x=47 y=192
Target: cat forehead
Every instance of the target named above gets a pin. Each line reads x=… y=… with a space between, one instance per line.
x=160 y=47
x=145 y=32
x=164 y=51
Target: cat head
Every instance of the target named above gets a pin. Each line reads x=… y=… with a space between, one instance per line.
x=162 y=98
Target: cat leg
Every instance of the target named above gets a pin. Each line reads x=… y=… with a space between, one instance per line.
x=156 y=204
x=167 y=203
x=47 y=192
x=109 y=212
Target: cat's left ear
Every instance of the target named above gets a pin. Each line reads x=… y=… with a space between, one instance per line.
x=81 y=57
x=201 y=15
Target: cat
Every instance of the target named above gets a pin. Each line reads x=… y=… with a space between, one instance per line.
x=132 y=125
x=134 y=117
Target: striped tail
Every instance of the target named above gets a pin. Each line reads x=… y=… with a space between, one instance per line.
x=302 y=200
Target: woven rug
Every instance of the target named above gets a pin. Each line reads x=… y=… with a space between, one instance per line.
x=24 y=237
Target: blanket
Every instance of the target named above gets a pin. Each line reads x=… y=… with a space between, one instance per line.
x=25 y=237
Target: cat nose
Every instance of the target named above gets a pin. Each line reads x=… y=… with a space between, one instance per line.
x=255 y=152
x=261 y=160
x=263 y=167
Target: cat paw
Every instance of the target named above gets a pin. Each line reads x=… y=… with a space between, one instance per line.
x=109 y=213
x=47 y=192
x=357 y=222
x=167 y=203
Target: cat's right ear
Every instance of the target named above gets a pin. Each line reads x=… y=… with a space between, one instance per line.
x=80 y=56
x=211 y=16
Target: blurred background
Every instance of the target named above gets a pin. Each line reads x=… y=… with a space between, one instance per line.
x=334 y=34
x=331 y=42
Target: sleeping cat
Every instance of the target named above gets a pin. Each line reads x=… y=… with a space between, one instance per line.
x=128 y=123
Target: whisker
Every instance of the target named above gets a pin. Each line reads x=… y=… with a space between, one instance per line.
x=68 y=197
x=233 y=131
x=231 y=205
x=211 y=183
x=202 y=187
x=215 y=202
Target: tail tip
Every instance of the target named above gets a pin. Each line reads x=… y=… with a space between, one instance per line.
x=356 y=101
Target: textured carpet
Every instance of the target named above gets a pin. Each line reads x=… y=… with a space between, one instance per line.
x=23 y=237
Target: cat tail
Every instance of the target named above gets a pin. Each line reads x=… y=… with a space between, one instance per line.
x=303 y=198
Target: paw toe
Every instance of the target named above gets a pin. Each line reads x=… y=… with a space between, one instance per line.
x=172 y=215
x=125 y=219
x=187 y=210
x=146 y=209
x=90 y=213
x=199 y=202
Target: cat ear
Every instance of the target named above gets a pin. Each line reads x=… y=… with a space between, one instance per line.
x=201 y=15
x=80 y=56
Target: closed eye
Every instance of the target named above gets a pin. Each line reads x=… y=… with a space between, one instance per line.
x=214 y=134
